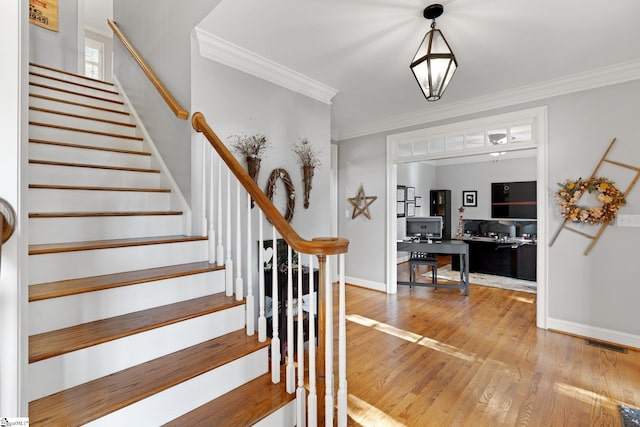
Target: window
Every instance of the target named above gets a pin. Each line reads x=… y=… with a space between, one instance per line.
x=93 y=59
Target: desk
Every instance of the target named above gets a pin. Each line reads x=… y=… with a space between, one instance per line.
x=443 y=247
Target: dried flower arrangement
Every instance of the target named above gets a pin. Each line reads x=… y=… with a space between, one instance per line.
x=250 y=145
x=571 y=191
x=307 y=156
x=308 y=159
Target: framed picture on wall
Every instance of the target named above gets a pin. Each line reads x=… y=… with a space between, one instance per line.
x=418 y=201
x=400 y=210
x=411 y=209
x=469 y=198
x=411 y=194
x=400 y=194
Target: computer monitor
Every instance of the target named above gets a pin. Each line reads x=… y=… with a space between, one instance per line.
x=428 y=227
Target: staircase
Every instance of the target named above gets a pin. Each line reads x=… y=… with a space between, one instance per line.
x=128 y=321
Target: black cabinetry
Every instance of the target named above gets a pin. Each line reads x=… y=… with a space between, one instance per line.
x=501 y=259
x=440 y=205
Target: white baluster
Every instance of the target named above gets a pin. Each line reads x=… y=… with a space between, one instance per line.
x=328 y=354
x=313 y=397
x=219 y=247
x=251 y=323
x=342 y=348
x=212 y=230
x=228 y=263
x=204 y=187
x=300 y=392
x=238 y=266
x=262 y=320
x=291 y=370
x=275 y=340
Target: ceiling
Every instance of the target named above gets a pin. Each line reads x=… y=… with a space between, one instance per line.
x=363 y=48
x=96 y=13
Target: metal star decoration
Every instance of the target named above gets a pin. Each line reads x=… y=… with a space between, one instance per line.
x=361 y=203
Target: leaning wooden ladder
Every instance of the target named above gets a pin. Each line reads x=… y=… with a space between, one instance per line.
x=595 y=237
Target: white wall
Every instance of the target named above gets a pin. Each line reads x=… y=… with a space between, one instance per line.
x=58 y=49
x=422 y=177
x=593 y=295
x=233 y=103
x=13 y=341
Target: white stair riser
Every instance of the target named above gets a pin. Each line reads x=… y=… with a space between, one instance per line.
x=71 y=78
x=77 y=109
x=68 y=370
x=57 y=153
x=74 y=137
x=96 y=262
x=91 y=91
x=76 y=98
x=80 y=229
x=81 y=123
x=95 y=177
x=283 y=417
x=57 y=313
x=170 y=404
x=45 y=200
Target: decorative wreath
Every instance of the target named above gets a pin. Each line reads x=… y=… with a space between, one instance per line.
x=288 y=186
x=570 y=193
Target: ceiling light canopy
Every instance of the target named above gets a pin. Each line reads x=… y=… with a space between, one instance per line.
x=434 y=63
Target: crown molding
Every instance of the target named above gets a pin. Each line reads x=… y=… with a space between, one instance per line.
x=231 y=55
x=605 y=76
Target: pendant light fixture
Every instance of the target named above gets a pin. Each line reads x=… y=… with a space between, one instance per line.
x=434 y=63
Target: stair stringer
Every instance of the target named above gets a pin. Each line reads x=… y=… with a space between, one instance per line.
x=178 y=201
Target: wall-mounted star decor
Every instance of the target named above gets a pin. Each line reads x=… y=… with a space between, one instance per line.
x=361 y=203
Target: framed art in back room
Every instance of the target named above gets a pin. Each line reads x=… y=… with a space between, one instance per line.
x=469 y=198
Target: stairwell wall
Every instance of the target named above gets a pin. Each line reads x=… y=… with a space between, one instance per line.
x=160 y=31
x=58 y=49
x=234 y=102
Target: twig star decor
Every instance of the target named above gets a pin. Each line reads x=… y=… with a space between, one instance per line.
x=361 y=203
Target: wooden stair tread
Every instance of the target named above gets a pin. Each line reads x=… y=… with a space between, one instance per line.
x=90 y=166
x=69 y=82
x=100 y=214
x=93 y=188
x=33 y=64
x=71 y=92
x=79 y=104
x=93 y=132
x=243 y=406
x=48 y=248
x=61 y=288
x=80 y=116
x=55 y=343
x=89 y=147
x=89 y=401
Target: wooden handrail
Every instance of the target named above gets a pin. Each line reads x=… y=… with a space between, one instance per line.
x=317 y=246
x=180 y=112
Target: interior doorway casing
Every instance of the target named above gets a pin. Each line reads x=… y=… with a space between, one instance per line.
x=397 y=153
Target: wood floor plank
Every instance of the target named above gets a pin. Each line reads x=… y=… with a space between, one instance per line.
x=99 y=214
x=47 y=248
x=43 y=291
x=84 y=403
x=244 y=406
x=427 y=357
x=62 y=341
x=92 y=188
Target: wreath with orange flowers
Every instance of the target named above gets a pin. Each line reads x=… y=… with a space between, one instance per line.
x=570 y=193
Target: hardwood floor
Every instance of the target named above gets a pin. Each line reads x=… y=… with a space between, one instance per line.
x=428 y=357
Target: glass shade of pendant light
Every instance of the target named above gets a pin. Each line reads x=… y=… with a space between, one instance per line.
x=434 y=63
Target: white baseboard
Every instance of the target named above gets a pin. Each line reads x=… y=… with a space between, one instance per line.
x=401 y=259
x=376 y=286
x=588 y=331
